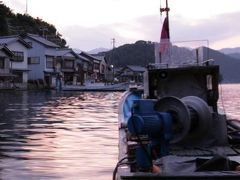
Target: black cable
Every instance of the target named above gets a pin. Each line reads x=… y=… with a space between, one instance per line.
x=142 y=146
x=116 y=168
x=120 y=162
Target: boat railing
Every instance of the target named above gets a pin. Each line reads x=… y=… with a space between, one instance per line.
x=185 y=64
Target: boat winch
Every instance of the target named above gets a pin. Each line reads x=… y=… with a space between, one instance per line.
x=156 y=124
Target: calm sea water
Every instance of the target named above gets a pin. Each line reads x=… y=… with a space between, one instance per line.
x=49 y=135
x=229 y=100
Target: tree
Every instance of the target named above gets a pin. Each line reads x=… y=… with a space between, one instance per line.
x=12 y=24
x=140 y=53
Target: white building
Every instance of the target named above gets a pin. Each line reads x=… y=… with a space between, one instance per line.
x=19 y=62
x=5 y=74
x=41 y=60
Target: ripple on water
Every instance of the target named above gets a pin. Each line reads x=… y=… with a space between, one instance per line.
x=49 y=135
x=45 y=135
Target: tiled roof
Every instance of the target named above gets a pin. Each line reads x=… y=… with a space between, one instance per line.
x=6 y=40
x=6 y=50
x=83 y=58
x=136 y=68
x=64 y=51
x=100 y=58
x=89 y=56
x=43 y=40
x=78 y=52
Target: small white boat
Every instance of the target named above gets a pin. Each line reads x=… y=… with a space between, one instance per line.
x=97 y=87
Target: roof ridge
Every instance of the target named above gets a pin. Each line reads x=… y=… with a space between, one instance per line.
x=42 y=40
x=9 y=36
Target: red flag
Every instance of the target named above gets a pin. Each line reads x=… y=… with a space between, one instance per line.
x=165 y=37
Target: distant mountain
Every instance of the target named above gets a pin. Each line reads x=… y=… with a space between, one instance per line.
x=235 y=55
x=142 y=53
x=230 y=50
x=97 y=50
x=229 y=66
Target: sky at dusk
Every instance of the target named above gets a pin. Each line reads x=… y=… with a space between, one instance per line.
x=90 y=24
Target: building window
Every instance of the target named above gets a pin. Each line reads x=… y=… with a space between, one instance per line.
x=96 y=66
x=85 y=66
x=18 y=56
x=2 y=62
x=102 y=69
x=34 y=60
x=49 y=62
x=68 y=64
x=19 y=76
x=90 y=67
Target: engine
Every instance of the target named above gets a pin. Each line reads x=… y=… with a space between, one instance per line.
x=156 y=125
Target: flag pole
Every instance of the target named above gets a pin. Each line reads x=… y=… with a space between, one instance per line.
x=166 y=9
x=165 y=27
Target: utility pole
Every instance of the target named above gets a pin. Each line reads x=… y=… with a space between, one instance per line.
x=113 y=42
x=26 y=12
x=44 y=29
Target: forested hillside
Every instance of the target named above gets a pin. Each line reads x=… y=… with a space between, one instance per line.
x=12 y=24
x=140 y=53
x=229 y=66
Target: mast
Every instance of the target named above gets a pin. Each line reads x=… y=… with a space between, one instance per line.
x=165 y=35
x=166 y=9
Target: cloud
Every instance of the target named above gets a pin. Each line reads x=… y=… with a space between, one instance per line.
x=86 y=29
x=216 y=29
x=87 y=38
x=19 y=6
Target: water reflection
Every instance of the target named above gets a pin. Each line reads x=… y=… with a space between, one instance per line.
x=49 y=135
x=46 y=135
x=229 y=100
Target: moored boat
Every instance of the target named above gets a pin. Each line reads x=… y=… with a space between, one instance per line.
x=173 y=128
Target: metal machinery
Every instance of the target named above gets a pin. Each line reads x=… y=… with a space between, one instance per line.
x=156 y=124
x=176 y=111
x=172 y=129
x=174 y=122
